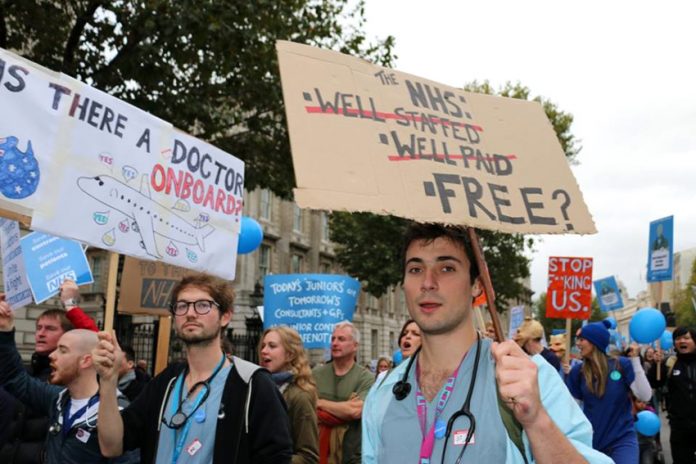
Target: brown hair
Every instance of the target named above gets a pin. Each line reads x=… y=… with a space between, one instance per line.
x=595 y=369
x=297 y=357
x=219 y=290
x=429 y=232
x=59 y=314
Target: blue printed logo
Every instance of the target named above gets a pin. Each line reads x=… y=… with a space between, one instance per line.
x=19 y=172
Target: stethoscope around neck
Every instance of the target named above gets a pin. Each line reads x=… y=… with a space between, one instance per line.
x=402 y=389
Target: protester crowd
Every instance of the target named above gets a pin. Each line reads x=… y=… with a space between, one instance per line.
x=451 y=395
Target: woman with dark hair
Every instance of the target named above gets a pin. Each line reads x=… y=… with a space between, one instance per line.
x=603 y=384
x=409 y=338
x=282 y=353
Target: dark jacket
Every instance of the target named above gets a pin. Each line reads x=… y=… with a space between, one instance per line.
x=26 y=435
x=132 y=384
x=681 y=390
x=253 y=424
x=50 y=400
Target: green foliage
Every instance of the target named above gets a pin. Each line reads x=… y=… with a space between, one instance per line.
x=551 y=323
x=209 y=68
x=684 y=302
x=560 y=120
x=373 y=256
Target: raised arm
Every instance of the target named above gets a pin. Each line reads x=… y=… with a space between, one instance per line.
x=107 y=357
x=69 y=294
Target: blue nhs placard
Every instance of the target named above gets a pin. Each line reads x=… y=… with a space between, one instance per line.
x=608 y=294
x=309 y=303
x=50 y=260
x=660 y=246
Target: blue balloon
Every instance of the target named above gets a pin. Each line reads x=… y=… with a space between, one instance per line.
x=612 y=322
x=647 y=325
x=648 y=423
x=250 y=236
x=666 y=341
x=397 y=357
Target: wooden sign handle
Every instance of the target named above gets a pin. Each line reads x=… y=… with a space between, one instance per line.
x=487 y=285
x=110 y=309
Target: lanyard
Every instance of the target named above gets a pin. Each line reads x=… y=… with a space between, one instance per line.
x=69 y=420
x=438 y=427
x=202 y=395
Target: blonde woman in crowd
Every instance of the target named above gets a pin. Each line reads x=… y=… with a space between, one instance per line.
x=282 y=353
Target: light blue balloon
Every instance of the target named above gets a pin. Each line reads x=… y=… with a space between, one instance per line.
x=250 y=235
x=611 y=321
x=666 y=341
x=397 y=357
x=648 y=423
x=647 y=325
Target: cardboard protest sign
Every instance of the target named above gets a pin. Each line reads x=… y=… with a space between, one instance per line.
x=569 y=295
x=15 y=284
x=146 y=286
x=49 y=260
x=312 y=304
x=660 y=247
x=129 y=182
x=608 y=294
x=366 y=138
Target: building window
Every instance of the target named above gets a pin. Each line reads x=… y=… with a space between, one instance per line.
x=265 y=204
x=264 y=260
x=375 y=344
x=96 y=264
x=392 y=341
x=297 y=217
x=325 y=268
x=296 y=264
x=325 y=235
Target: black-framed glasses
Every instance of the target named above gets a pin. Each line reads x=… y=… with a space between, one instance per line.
x=180 y=308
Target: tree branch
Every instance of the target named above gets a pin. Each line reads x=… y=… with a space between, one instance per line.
x=68 y=65
x=3 y=28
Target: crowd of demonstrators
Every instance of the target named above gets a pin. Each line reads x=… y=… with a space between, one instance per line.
x=71 y=399
x=529 y=336
x=342 y=385
x=604 y=384
x=462 y=395
x=25 y=437
x=209 y=408
x=282 y=353
x=678 y=376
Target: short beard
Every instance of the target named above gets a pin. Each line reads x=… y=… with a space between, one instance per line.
x=199 y=340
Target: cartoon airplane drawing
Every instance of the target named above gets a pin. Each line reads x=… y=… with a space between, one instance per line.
x=139 y=207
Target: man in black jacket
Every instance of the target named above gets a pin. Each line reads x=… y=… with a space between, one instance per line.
x=209 y=407
x=679 y=375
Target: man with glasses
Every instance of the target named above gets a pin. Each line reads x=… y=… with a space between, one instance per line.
x=209 y=409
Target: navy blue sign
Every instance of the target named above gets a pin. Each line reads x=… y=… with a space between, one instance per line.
x=608 y=294
x=50 y=260
x=660 y=247
x=309 y=303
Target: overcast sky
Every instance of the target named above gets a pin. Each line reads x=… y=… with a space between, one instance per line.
x=624 y=69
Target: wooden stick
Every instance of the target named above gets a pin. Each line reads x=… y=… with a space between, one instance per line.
x=23 y=220
x=111 y=292
x=164 y=332
x=657 y=343
x=569 y=326
x=487 y=285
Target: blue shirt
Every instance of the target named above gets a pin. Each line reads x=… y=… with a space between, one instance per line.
x=199 y=444
x=391 y=433
x=609 y=415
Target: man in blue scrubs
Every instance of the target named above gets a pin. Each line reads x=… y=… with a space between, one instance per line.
x=413 y=416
